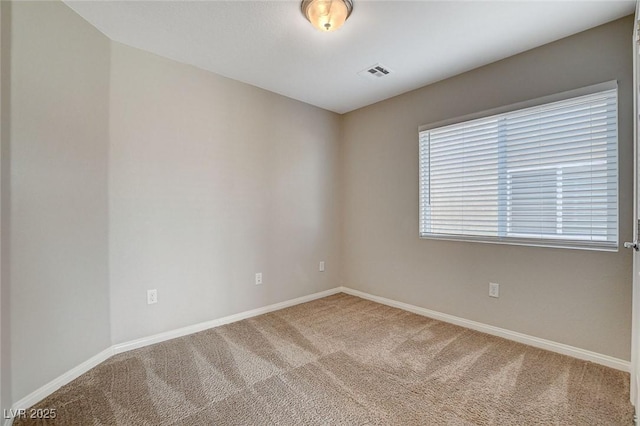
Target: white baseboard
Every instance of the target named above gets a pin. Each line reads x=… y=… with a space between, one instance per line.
x=49 y=388
x=635 y=383
x=537 y=342
x=46 y=390
x=172 y=334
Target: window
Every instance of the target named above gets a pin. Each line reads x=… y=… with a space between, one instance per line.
x=544 y=173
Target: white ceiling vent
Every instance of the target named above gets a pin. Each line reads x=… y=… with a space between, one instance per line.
x=375 y=71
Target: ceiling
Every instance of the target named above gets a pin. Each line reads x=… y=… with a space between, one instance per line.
x=271 y=45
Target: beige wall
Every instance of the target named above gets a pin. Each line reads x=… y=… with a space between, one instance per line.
x=130 y=172
x=5 y=348
x=580 y=298
x=59 y=140
x=211 y=181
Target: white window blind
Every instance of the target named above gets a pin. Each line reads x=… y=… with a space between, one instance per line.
x=545 y=175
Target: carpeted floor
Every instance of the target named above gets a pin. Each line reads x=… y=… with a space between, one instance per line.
x=342 y=360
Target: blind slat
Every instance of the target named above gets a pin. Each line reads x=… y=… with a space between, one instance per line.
x=546 y=175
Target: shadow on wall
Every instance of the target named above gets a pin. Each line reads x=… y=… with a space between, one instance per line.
x=5 y=123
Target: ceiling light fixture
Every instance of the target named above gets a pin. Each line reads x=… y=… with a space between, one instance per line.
x=327 y=15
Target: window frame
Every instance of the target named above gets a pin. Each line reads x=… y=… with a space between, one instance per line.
x=531 y=242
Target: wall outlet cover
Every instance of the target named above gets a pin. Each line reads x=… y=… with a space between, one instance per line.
x=152 y=296
x=494 y=290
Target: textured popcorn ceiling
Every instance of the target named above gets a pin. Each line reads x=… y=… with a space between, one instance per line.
x=269 y=44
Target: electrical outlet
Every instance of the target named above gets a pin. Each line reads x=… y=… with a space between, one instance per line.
x=259 y=278
x=494 y=290
x=321 y=266
x=152 y=296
